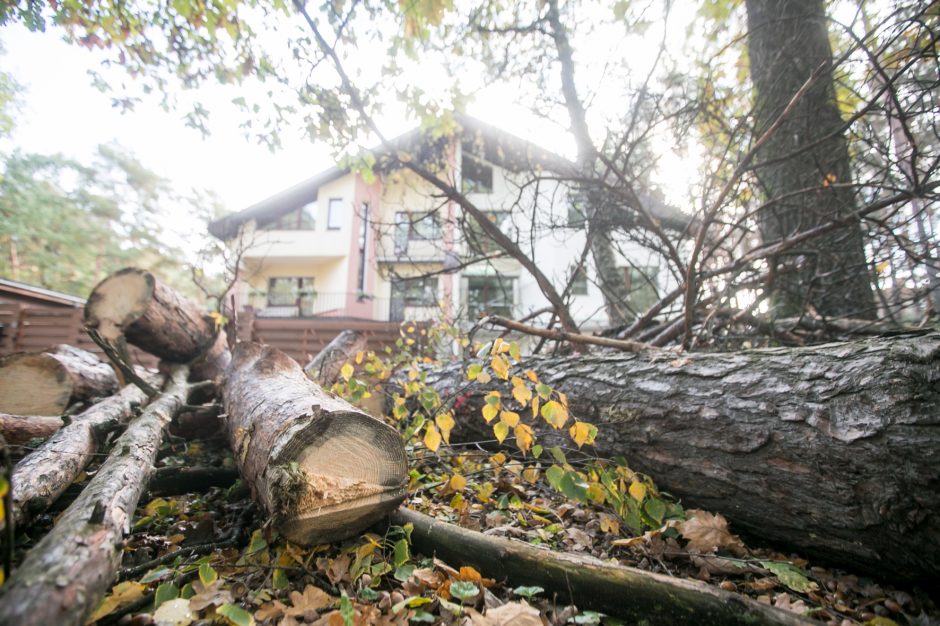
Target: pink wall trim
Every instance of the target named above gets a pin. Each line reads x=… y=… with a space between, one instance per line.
x=371 y=194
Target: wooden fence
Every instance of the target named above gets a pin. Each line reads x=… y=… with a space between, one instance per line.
x=30 y=328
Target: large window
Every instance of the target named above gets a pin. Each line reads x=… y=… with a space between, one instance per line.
x=489 y=295
x=290 y=291
x=475 y=175
x=334 y=215
x=303 y=218
x=412 y=292
x=414 y=226
x=478 y=240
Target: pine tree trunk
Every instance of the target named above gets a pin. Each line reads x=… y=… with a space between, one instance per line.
x=832 y=449
x=321 y=468
x=324 y=368
x=67 y=573
x=155 y=318
x=44 y=383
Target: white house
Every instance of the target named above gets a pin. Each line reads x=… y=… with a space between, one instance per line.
x=388 y=245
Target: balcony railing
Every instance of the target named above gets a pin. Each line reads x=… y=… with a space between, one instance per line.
x=339 y=305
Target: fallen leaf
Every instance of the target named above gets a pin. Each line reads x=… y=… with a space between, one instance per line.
x=209 y=595
x=514 y=614
x=122 y=594
x=707 y=532
x=173 y=613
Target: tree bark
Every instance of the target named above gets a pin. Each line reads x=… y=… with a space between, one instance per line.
x=324 y=367
x=591 y=583
x=41 y=477
x=18 y=429
x=44 y=383
x=155 y=318
x=807 y=177
x=321 y=468
x=64 y=577
x=829 y=449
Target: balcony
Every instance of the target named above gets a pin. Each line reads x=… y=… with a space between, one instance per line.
x=297 y=244
x=341 y=306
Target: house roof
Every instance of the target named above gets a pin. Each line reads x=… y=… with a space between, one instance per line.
x=22 y=291
x=499 y=147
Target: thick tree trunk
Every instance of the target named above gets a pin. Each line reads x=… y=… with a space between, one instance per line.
x=832 y=449
x=635 y=595
x=40 y=478
x=63 y=578
x=320 y=467
x=325 y=367
x=18 y=429
x=153 y=317
x=807 y=179
x=43 y=383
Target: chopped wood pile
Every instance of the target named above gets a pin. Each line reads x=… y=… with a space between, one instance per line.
x=319 y=469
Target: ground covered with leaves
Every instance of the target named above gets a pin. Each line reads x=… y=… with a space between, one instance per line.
x=200 y=552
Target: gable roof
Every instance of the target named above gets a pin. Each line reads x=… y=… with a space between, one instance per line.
x=498 y=147
x=33 y=294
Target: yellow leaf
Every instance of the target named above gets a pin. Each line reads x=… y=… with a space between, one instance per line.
x=122 y=594
x=515 y=352
x=432 y=438
x=522 y=394
x=484 y=492
x=445 y=422
x=347 y=371
x=555 y=414
x=457 y=482
x=610 y=524
x=638 y=491
x=509 y=418
x=498 y=459
x=516 y=381
x=359 y=356
x=535 y=408
x=484 y=377
x=580 y=432
x=531 y=474
x=524 y=437
x=531 y=375
x=881 y=267
x=500 y=430
x=412 y=373
x=500 y=366
x=489 y=412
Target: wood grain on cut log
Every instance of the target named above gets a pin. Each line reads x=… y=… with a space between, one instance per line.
x=324 y=368
x=66 y=574
x=832 y=449
x=18 y=429
x=155 y=318
x=321 y=468
x=43 y=383
x=639 y=596
x=41 y=477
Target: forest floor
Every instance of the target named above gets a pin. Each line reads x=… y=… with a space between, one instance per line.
x=200 y=553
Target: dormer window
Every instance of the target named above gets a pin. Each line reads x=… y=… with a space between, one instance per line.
x=476 y=176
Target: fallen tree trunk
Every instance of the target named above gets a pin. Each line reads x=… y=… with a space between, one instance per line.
x=18 y=429
x=324 y=368
x=321 y=468
x=628 y=593
x=152 y=316
x=831 y=449
x=41 y=477
x=63 y=578
x=43 y=383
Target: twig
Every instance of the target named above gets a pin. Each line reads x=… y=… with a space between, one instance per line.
x=117 y=355
x=561 y=335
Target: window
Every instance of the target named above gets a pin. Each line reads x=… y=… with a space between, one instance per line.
x=412 y=292
x=334 y=215
x=475 y=175
x=479 y=241
x=414 y=226
x=303 y=218
x=576 y=213
x=290 y=291
x=642 y=285
x=489 y=295
x=579 y=282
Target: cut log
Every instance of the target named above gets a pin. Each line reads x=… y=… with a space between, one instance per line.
x=320 y=467
x=18 y=429
x=152 y=316
x=638 y=596
x=64 y=577
x=43 y=383
x=833 y=449
x=325 y=367
x=41 y=477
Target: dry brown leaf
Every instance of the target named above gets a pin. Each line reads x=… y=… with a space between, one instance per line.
x=311 y=599
x=270 y=610
x=514 y=614
x=209 y=595
x=707 y=532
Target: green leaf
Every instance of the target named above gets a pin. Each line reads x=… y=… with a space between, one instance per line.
x=346 y=610
x=257 y=542
x=404 y=572
x=537 y=450
x=655 y=508
x=790 y=575
x=165 y=592
x=423 y=617
x=207 y=575
x=553 y=475
x=187 y=591
x=528 y=592
x=279 y=580
x=463 y=590
x=573 y=486
x=156 y=574
x=401 y=553
x=558 y=455
x=588 y=617
x=473 y=371
x=235 y=615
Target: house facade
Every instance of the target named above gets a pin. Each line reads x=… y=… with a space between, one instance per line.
x=388 y=245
